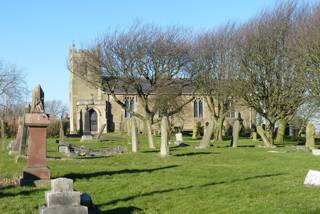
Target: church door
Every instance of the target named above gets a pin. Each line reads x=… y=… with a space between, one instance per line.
x=93 y=120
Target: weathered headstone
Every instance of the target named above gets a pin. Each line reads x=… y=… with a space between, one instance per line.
x=37 y=122
x=312 y=178
x=235 y=133
x=62 y=199
x=86 y=131
x=179 y=138
x=310 y=135
x=134 y=135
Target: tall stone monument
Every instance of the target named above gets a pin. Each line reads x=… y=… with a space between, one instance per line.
x=37 y=122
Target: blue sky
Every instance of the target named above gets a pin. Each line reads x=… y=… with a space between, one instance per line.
x=36 y=35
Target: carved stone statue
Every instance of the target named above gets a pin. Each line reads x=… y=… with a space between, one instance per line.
x=37 y=100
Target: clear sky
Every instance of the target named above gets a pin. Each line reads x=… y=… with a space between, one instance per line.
x=36 y=34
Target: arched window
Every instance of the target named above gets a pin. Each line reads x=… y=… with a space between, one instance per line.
x=198 y=108
x=129 y=103
x=93 y=120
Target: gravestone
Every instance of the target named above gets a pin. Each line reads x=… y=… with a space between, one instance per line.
x=312 y=178
x=310 y=135
x=235 y=133
x=61 y=131
x=316 y=152
x=86 y=129
x=179 y=139
x=18 y=146
x=62 y=199
x=15 y=146
x=36 y=122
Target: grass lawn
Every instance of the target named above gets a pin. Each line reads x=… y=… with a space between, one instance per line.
x=214 y=180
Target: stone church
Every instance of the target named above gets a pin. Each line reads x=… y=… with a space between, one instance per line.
x=103 y=109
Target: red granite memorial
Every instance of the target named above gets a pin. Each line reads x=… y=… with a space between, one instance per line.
x=37 y=122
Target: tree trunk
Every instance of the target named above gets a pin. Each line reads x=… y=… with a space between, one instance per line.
x=264 y=137
x=194 y=130
x=269 y=132
x=2 y=124
x=134 y=135
x=149 y=133
x=281 y=130
x=2 y=133
x=219 y=125
x=204 y=143
x=164 y=148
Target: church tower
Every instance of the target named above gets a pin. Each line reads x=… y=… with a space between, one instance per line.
x=84 y=87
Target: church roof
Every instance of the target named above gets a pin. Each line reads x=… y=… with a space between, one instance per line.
x=127 y=86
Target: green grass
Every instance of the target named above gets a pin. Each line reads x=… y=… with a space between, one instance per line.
x=214 y=180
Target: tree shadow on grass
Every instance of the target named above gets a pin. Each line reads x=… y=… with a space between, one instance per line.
x=75 y=176
x=195 y=153
x=151 y=151
x=246 y=146
x=128 y=198
x=122 y=210
x=23 y=193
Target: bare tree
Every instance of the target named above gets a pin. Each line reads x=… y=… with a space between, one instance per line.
x=306 y=112
x=12 y=92
x=142 y=60
x=308 y=41
x=55 y=107
x=272 y=74
x=214 y=60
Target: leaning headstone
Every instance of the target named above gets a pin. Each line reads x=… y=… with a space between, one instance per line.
x=179 y=139
x=312 y=178
x=310 y=135
x=37 y=122
x=235 y=133
x=62 y=199
x=15 y=146
x=101 y=131
x=86 y=131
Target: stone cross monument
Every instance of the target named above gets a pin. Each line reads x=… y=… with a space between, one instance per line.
x=37 y=122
